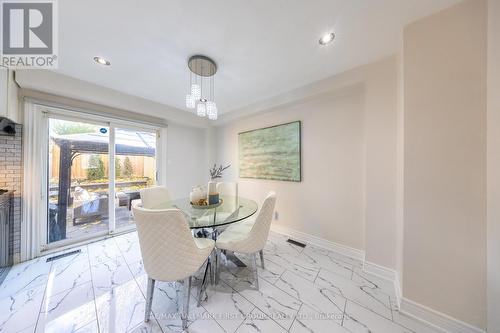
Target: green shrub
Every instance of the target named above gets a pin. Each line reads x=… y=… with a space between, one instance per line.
x=128 y=169
x=96 y=168
x=118 y=167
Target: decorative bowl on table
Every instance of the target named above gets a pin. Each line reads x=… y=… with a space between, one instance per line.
x=203 y=204
x=197 y=193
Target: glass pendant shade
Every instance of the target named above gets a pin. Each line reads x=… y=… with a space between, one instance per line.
x=212 y=116
x=190 y=103
x=211 y=108
x=201 y=110
x=195 y=92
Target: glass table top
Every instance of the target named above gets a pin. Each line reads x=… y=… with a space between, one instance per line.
x=233 y=209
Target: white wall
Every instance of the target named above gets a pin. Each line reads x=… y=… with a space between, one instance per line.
x=381 y=163
x=328 y=203
x=493 y=166
x=187 y=159
x=445 y=162
x=349 y=126
x=400 y=174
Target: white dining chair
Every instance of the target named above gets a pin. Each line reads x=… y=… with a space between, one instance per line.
x=154 y=196
x=170 y=252
x=227 y=188
x=229 y=191
x=249 y=237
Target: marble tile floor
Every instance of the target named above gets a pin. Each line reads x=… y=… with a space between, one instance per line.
x=102 y=290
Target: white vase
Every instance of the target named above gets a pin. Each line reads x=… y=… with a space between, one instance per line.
x=213 y=196
x=212 y=187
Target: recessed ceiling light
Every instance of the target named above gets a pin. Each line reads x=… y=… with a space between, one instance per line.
x=102 y=61
x=327 y=38
x=203 y=100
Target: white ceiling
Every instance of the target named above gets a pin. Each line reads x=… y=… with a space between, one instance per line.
x=262 y=47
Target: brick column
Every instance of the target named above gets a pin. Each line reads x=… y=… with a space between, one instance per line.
x=11 y=171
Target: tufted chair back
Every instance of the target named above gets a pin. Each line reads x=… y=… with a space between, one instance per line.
x=257 y=237
x=169 y=251
x=227 y=188
x=152 y=197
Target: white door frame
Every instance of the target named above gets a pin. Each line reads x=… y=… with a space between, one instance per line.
x=35 y=241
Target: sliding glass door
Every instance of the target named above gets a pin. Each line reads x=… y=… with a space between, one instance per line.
x=95 y=172
x=135 y=169
x=78 y=192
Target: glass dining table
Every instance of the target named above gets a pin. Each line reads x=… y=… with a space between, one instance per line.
x=231 y=210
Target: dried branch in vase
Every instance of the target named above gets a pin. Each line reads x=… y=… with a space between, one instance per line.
x=216 y=172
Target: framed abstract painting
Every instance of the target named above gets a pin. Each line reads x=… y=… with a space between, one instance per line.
x=271 y=152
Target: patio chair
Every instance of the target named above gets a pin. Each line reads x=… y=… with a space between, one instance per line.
x=88 y=206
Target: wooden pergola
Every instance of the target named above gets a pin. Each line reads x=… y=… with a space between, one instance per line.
x=76 y=144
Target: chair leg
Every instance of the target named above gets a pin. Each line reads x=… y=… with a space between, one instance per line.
x=254 y=269
x=149 y=299
x=185 y=307
x=261 y=252
x=203 y=285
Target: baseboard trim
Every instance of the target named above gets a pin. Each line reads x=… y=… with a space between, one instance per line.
x=387 y=274
x=435 y=318
x=320 y=242
x=379 y=271
x=426 y=315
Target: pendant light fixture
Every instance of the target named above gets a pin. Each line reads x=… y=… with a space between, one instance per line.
x=201 y=86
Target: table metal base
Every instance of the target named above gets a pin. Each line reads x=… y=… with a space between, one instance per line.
x=234 y=259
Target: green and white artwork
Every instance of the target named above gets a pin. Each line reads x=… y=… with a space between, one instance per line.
x=271 y=153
